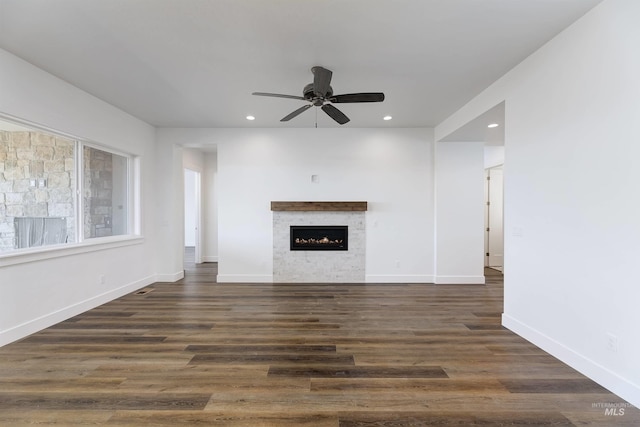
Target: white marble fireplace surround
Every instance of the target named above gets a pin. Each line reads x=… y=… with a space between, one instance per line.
x=319 y=266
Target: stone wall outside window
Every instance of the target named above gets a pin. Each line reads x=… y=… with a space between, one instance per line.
x=37 y=179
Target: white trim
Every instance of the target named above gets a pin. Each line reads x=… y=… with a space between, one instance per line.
x=18 y=332
x=78 y=188
x=598 y=373
x=244 y=278
x=399 y=278
x=136 y=196
x=170 y=278
x=34 y=127
x=213 y=258
x=459 y=280
x=68 y=249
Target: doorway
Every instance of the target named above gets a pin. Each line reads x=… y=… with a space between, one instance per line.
x=192 y=203
x=494 y=222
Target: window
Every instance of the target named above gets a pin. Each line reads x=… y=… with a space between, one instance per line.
x=105 y=193
x=56 y=190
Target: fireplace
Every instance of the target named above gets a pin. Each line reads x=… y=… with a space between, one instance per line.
x=319 y=237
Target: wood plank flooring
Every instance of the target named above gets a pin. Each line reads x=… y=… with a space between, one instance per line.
x=200 y=353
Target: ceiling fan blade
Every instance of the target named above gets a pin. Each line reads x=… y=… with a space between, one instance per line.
x=278 y=95
x=335 y=114
x=321 y=81
x=358 y=97
x=295 y=113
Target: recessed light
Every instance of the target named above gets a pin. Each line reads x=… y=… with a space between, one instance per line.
x=493 y=125
x=250 y=118
x=387 y=118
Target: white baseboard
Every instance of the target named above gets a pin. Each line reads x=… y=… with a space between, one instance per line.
x=399 y=278
x=372 y=278
x=174 y=277
x=244 y=278
x=43 y=322
x=459 y=280
x=210 y=258
x=598 y=373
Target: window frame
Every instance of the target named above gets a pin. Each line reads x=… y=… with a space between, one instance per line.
x=130 y=180
x=84 y=244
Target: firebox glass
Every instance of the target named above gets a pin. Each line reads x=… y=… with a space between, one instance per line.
x=319 y=237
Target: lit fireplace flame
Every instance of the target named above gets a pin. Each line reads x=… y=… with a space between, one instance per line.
x=323 y=241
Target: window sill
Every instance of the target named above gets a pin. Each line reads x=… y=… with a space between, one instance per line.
x=58 y=251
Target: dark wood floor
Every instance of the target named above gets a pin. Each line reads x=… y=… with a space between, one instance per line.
x=200 y=353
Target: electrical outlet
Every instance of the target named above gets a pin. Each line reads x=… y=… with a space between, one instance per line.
x=101 y=279
x=612 y=343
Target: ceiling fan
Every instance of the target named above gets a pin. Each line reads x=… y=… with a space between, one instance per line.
x=320 y=94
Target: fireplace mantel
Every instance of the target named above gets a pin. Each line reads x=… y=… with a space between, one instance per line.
x=319 y=206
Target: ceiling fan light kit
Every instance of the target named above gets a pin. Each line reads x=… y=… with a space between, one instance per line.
x=320 y=94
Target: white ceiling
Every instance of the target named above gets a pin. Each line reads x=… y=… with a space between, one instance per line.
x=478 y=130
x=194 y=63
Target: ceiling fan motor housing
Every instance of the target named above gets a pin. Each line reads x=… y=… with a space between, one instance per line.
x=310 y=95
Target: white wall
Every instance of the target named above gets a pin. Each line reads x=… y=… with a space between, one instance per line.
x=210 y=208
x=392 y=170
x=169 y=209
x=39 y=293
x=193 y=159
x=459 y=207
x=493 y=156
x=572 y=235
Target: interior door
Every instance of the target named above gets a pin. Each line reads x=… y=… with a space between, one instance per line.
x=495 y=229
